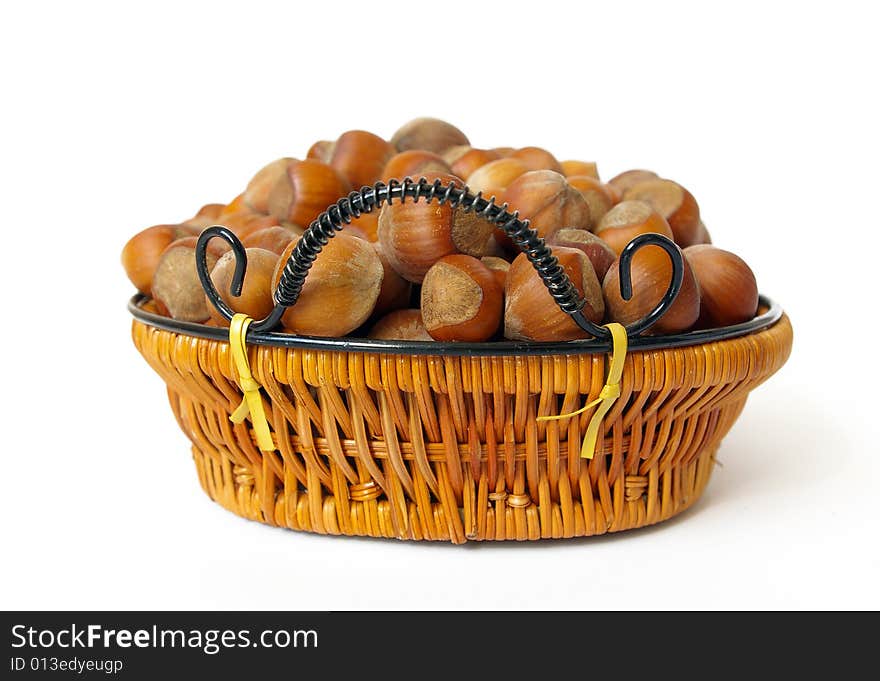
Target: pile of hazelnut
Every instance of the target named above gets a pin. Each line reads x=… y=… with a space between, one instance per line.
x=426 y=271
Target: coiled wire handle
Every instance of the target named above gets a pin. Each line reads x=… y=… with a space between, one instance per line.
x=368 y=199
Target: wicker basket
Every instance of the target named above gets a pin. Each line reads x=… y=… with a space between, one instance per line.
x=394 y=441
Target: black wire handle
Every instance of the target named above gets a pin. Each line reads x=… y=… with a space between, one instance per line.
x=368 y=199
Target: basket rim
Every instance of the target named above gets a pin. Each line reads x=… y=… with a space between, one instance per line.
x=768 y=317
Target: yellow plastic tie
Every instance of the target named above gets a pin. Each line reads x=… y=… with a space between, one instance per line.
x=251 y=403
x=607 y=396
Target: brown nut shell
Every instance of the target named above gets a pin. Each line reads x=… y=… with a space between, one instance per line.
x=675 y=203
x=596 y=194
x=404 y=325
x=651 y=274
x=140 y=256
x=256 y=196
x=210 y=210
x=504 y=152
x=625 y=221
x=728 y=289
x=360 y=156
x=199 y=222
x=536 y=158
x=430 y=134
x=305 y=190
x=395 y=291
x=321 y=151
x=499 y=268
x=579 y=169
x=256 y=291
x=461 y=300
x=246 y=223
x=368 y=224
x=274 y=239
x=620 y=183
x=414 y=163
x=237 y=205
x=531 y=313
x=703 y=236
x=465 y=160
x=496 y=176
x=613 y=193
x=176 y=286
x=548 y=201
x=340 y=291
x=416 y=234
x=601 y=255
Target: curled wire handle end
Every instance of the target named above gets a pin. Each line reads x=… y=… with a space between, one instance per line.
x=626 y=290
x=211 y=291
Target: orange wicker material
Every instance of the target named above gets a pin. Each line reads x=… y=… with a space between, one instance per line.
x=438 y=447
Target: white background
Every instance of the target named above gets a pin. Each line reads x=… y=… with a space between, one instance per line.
x=116 y=118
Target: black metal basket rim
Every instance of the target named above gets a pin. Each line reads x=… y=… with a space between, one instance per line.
x=767 y=318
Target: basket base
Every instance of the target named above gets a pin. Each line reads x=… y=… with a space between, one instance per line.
x=645 y=502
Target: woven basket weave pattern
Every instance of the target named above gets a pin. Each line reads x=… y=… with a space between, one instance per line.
x=448 y=448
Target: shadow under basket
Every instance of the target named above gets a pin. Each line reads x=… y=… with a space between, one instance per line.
x=400 y=440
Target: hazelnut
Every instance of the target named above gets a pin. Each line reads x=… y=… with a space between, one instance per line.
x=244 y=224
x=305 y=190
x=703 y=236
x=503 y=152
x=395 y=290
x=625 y=221
x=728 y=290
x=579 y=169
x=274 y=239
x=415 y=235
x=651 y=272
x=176 y=286
x=548 y=201
x=465 y=160
x=494 y=177
x=430 y=134
x=461 y=300
x=401 y=325
x=141 y=254
x=256 y=196
x=414 y=163
x=536 y=158
x=237 y=205
x=616 y=196
x=256 y=291
x=628 y=178
x=149 y=305
x=354 y=230
x=199 y=222
x=675 y=203
x=208 y=215
x=340 y=291
x=531 y=313
x=360 y=156
x=368 y=224
x=210 y=210
x=499 y=268
x=595 y=193
x=601 y=255
x=321 y=151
